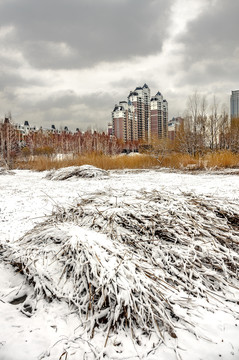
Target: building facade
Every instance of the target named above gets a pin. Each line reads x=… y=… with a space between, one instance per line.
x=234 y=104
x=140 y=117
x=124 y=124
x=158 y=117
x=140 y=99
x=173 y=127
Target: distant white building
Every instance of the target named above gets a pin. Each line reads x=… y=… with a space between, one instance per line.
x=234 y=104
x=25 y=128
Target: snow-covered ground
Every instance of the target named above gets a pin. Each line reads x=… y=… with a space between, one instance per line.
x=53 y=330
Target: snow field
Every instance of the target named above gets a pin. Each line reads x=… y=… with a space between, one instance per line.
x=167 y=225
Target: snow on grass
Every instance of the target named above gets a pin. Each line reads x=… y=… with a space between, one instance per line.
x=84 y=171
x=145 y=262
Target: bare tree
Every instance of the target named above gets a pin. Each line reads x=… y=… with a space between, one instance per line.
x=9 y=144
x=195 y=125
x=214 y=120
x=234 y=134
x=224 y=129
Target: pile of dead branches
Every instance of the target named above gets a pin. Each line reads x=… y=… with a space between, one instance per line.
x=84 y=171
x=4 y=171
x=133 y=259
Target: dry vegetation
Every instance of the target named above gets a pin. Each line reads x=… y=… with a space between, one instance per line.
x=131 y=263
x=101 y=161
x=220 y=159
x=223 y=159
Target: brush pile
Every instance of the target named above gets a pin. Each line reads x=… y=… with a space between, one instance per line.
x=4 y=171
x=136 y=260
x=84 y=171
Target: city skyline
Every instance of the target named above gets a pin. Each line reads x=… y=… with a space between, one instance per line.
x=66 y=62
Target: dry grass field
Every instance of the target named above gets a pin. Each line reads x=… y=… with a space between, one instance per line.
x=221 y=159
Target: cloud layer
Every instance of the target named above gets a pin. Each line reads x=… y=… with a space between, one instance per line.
x=211 y=46
x=75 y=34
x=69 y=61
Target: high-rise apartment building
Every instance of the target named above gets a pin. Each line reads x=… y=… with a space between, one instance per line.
x=140 y=99
x=140 y=117
x=159 y=117
x=118 y=122
x=235 y=104
x=124 y=124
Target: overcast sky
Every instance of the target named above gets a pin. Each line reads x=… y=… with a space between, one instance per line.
x=67 y=62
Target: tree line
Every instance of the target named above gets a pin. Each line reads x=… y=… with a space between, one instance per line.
x=14 y=144
x=205 y=127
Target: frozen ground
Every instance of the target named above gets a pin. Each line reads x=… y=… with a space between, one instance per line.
x=54 y=331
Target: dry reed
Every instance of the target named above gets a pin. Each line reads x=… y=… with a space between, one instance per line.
x=106 y=162
x=137 y=263
x=220 y=159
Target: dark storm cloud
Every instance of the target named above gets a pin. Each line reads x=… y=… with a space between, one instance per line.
x=211 y=46
x=81 y=33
